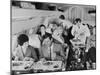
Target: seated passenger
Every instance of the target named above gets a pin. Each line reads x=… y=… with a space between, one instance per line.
x=42 y=35
x=25 y=52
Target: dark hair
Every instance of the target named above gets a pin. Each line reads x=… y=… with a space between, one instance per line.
x=42 y=26
x=62 y=17
x=22 y=39
x=38 y=30
x=77 y=20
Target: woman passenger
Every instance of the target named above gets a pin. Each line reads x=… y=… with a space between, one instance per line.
x=25 y=52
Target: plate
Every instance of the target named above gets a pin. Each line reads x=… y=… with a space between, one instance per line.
x=21 y=65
